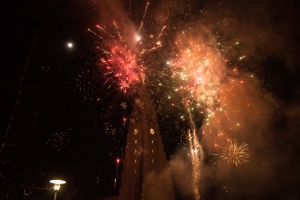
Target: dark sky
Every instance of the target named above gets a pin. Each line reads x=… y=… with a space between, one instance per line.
x=69 y=120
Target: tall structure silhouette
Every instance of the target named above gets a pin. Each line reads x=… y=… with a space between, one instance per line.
x=146 y=175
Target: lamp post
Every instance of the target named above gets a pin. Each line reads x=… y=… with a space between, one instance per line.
x=56 y=187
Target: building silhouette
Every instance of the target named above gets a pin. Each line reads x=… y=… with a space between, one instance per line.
x=146 y=175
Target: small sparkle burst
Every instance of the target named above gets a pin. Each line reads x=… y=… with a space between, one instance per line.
x=59 y=140
x=140 y=151
x=235 y=154
x=123 y=105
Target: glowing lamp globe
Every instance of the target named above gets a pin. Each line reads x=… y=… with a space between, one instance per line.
x=57 y=183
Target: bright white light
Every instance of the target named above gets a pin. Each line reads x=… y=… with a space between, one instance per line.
x=56 y=187
x=168 y=62
x=138 y=38
x=70 y=45
x=58 y=181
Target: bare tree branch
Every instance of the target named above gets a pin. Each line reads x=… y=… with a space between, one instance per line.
x=19 y=94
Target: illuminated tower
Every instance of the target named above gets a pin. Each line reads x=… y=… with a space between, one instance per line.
x=146 y=175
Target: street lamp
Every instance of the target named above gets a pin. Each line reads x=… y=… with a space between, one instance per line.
x=57 y=184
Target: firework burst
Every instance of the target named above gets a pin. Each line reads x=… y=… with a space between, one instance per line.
x=198 y=70
x=123 y=55
x=190 y=71
x=235 y=154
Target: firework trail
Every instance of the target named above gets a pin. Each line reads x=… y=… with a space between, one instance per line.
x=196 y=154
x=117 y=173
x=142 y=22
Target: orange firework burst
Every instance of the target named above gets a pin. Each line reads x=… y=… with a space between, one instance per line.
x=197 y=70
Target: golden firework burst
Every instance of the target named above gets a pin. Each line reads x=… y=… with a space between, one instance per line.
x=235 y=154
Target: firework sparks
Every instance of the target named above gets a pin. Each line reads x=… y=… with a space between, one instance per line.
x=59 y=140
x=117 y=173
x=196 y=155
x=194 y=69
x=123 y=60
x=235 y=154
x=140 y=151
x=198 y=69
x=142 y=22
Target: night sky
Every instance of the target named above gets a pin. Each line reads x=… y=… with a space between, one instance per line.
x=67 y=117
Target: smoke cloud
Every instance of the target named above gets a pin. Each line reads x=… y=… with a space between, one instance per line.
x=260 y=99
